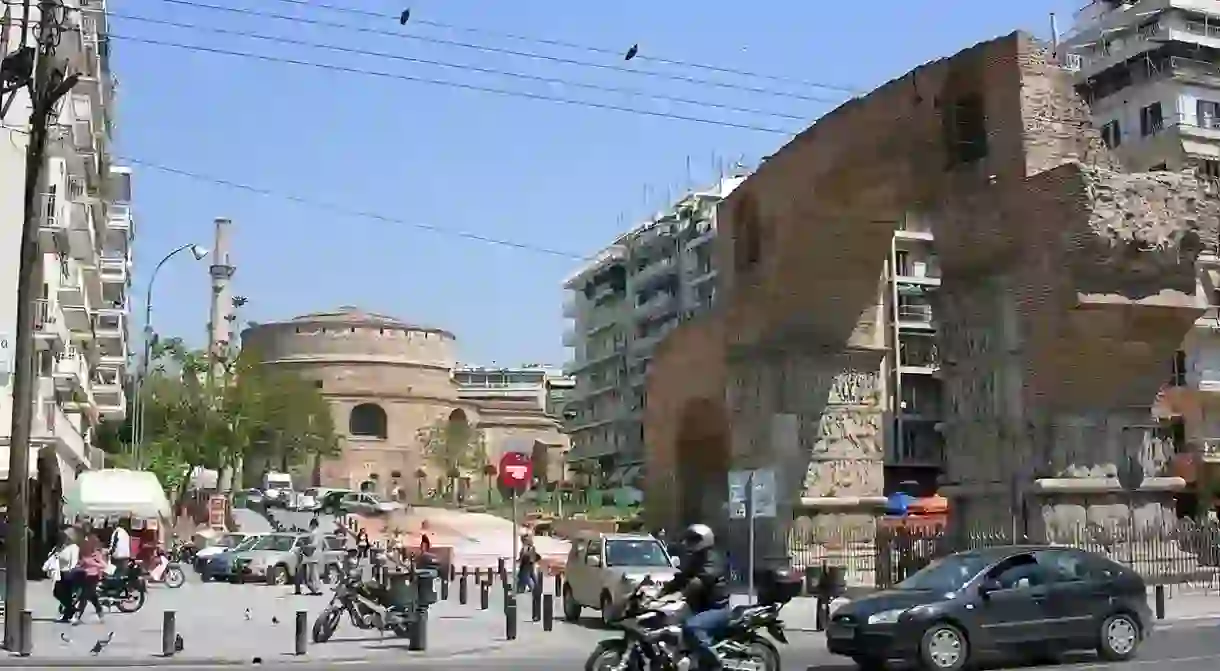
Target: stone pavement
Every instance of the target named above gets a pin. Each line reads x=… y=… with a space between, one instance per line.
x=212 y=619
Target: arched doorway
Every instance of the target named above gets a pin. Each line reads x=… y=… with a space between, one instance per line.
x=46 y=510
x=368 y=420
x=703 y=457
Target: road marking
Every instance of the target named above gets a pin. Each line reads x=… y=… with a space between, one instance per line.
x=1144 y=662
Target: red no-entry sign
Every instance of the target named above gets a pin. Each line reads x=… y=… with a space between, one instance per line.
x=516 y=470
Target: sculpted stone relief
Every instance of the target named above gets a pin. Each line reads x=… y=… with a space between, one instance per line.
x=845 y=478
x=854 y=388
x=845 y=433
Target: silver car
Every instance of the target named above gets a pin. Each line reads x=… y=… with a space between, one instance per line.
x=276 y=558
x=364 y=503
x=602 y=568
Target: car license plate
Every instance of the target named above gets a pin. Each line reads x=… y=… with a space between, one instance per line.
x=842 y=631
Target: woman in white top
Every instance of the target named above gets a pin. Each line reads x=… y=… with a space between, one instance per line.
x=60 y=564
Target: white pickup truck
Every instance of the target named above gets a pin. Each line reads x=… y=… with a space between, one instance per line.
x=277 y=489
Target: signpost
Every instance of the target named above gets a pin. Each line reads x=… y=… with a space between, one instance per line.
x=751 y=496
x=516 y=473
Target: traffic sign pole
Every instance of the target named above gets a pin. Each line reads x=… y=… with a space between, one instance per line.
x=750 y=522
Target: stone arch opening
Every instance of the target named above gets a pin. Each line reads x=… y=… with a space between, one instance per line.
x=368 y=420
x=703 y=460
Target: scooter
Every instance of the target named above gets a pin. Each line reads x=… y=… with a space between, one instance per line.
x=171 y=575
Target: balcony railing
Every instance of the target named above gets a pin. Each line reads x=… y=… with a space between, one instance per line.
x=916 y=354
x=915 y=313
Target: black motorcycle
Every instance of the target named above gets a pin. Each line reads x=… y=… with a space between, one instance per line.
x=652 y=635
x=125 y=591
x=367 y=605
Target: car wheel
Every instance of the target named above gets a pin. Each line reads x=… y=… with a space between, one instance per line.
x=607 y=610
x=943 y=648
x=331 y=576
x=869 y=663
x=1120 y=638
x=571 y=609
x=277 y=575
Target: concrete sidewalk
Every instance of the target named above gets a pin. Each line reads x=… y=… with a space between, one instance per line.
x=232 y=624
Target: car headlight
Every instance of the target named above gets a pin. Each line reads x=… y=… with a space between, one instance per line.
x=886 y=616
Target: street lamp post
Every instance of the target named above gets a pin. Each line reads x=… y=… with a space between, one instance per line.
x=137 y=428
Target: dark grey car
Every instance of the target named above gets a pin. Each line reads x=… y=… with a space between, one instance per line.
x=1024 y=601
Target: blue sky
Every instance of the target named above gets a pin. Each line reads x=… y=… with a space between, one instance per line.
x=550 y=175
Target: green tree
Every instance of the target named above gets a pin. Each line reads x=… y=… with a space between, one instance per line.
x=456 y=448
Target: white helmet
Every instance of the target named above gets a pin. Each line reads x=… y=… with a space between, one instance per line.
x=698 y=537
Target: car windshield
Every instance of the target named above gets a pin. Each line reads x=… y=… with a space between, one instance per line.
x=275 y=543
x=945 y=575
x=246 y=544
x=230 y=540
x=643 y=552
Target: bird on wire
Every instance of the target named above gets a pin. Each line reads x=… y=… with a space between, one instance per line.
x=631 y=53
x=406 y=16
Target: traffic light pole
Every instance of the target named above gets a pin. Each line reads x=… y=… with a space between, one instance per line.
x=47 y=86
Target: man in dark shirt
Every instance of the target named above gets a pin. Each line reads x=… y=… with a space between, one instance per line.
x=702 y=579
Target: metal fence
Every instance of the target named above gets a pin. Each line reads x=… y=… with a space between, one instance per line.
x=1184 y=554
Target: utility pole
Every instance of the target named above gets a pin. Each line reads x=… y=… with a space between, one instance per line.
x=220 y=327
x=48 y=84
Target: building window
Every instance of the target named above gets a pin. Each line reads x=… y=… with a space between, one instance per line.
x=966 y=130
x=747 y=239
x=1177 y=375
x=1151 y=119
x=1112 y=134
x=1209 y=114
x=368 y=420
x=317 y=384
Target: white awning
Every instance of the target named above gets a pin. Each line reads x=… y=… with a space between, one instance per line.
x=4 y=461
x=116 y=491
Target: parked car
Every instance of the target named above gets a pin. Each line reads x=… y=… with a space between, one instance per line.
x=276 y=559
x=254 y=498
x=222 y=543
x=312 y=498
x=330 y=502
x=1031 y=602
x=602 y=568
x=364 y=503
x=220 y=565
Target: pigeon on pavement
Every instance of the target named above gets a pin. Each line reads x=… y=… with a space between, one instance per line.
x=102 y=643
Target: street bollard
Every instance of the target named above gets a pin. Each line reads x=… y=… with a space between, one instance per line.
x=1159 y=593
x=301 y=631
x=484 y=595
x=558 y=584
x=444 y=590
x=418 y=640
x=821 y=613
x=462 y=590
x=465 y=572
x=548 y=612
x=501 y=571
x=297 y=578
x=536 y=602
x=452 y=571
x=168 y=633
x=26 y=631
x=510 y=617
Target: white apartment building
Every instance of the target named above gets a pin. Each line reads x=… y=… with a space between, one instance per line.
x=85 y=234
x=1151 y=72
x=536 y=384
x=622 y=304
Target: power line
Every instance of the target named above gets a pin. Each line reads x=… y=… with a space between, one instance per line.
x=458 y=66
x=491 y=49
x=453 y=84
x=346 y=211
x=573 y=45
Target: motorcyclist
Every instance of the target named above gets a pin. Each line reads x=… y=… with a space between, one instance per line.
x=703 y=581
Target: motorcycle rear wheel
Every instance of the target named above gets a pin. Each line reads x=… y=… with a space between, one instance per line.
x=324 y=627
x=174 y=577
x=130 y=601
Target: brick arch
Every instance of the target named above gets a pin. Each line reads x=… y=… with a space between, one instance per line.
x=703 y=458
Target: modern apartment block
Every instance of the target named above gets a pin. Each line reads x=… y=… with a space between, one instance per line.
x=85 y=235
x=621 y=305
x=1151 y=73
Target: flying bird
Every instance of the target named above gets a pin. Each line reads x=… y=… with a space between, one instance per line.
x=179 y=644
x=406 y=16
x=102 y=643
x=635 y=49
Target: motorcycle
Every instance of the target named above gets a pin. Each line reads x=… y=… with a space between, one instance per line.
x=367 y=607
x=125 y=591
x=652 y=636
x=172 y=576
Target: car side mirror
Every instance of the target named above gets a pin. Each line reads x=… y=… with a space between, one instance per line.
x=675 y=562
x=989 y=585
x=593 y=561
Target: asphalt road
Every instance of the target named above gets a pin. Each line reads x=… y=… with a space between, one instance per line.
x=1186 y=646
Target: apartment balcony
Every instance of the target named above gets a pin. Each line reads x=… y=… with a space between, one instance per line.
x=110 y=329
x=658 y=304
x=74 y=300
x=655 y=271
x=52 y=226
x=71 y=371
x=50 y=331
x=921 y=445
x=575 y=367
x=82 y=237
x=114 y=270
x=922 y=272
x=571 y=308
x=51 y=424
x=918 y=355
x=571 y=338
x=119 y=218
x=913 y=228
x=701 y=239
x=915 y=316
x=109 y=393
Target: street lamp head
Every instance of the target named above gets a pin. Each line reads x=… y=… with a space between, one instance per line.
x=199 y=252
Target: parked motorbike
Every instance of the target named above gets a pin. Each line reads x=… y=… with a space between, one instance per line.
x=125 y=591
x=172 y=576
x=652 y=636
x=367 y=605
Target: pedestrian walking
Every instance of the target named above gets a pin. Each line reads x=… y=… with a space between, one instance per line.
x=85 y=578
x=527 y=561
x=58 y=568
x=314 y=552
x=120 y=546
